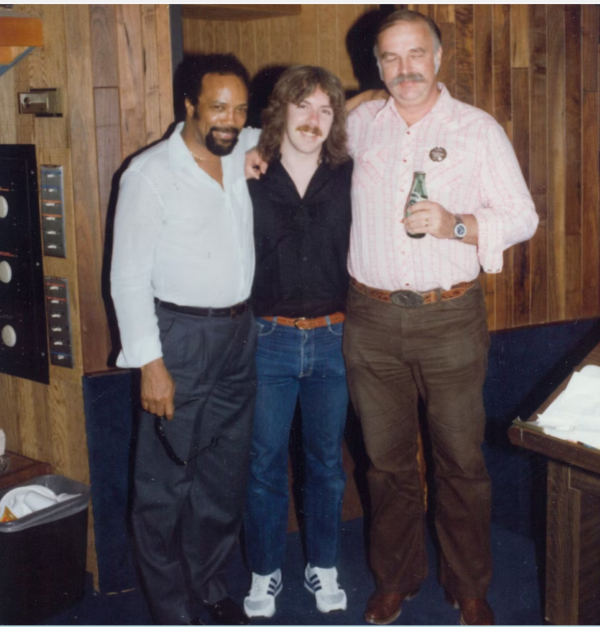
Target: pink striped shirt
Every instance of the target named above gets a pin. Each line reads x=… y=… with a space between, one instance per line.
x=480 y=175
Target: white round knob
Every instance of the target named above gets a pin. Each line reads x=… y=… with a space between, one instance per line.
x=5 y=272
x=3 y=207
x=9 y=336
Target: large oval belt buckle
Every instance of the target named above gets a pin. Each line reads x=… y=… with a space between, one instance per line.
x=298 y=321
x=407 y=298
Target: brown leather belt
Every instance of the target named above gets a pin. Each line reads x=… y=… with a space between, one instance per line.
x=409 y=298
x=307 y=323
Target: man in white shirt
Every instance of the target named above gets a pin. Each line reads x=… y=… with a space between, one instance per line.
x=182 y=269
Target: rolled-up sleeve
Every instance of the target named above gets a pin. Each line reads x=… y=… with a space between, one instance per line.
x=137 y=222
x=507 y=214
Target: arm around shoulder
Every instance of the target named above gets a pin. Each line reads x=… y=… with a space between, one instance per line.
x=365 y=96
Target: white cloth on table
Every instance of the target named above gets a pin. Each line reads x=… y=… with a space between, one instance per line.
x=575 y=414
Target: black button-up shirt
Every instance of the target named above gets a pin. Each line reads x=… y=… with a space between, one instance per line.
x=301 y=243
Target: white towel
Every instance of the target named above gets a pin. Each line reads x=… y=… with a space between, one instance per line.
x=575 y=413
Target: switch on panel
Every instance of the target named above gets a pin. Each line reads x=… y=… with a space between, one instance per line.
x=5 y=272
x=59 y=324
x=53 y=222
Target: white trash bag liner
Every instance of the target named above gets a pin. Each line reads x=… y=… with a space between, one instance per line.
x=25 y=500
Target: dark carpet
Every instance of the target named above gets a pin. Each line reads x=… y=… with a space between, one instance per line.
x=514 y=593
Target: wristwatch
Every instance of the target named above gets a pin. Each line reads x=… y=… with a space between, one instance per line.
x=460 y=229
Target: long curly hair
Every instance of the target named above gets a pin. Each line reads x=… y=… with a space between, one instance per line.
x=294 y=85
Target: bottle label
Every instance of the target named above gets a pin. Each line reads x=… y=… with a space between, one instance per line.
x=413 y=199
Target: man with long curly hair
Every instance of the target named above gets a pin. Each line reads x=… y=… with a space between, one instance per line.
x=301 y=228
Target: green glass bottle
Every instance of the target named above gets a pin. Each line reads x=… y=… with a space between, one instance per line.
x=418 y=192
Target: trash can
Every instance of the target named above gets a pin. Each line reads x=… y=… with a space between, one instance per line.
x=42 y=555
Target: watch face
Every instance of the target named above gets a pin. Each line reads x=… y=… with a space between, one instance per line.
x=460 y=230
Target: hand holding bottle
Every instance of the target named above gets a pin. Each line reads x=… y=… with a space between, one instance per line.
x=418 y=192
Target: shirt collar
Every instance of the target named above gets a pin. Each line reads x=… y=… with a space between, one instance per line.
x=179 y=154
x=281 y=185
x=443 y=106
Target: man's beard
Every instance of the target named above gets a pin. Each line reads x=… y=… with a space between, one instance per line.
x=216 y=147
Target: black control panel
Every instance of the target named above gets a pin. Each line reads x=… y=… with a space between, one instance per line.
x=23 y=339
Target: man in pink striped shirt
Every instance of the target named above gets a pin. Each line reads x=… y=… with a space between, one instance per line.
x=416 y=321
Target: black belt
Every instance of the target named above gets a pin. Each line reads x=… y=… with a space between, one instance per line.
x=217 y=312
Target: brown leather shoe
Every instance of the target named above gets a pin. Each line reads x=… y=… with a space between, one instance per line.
x=384 y=608
x=473 y=611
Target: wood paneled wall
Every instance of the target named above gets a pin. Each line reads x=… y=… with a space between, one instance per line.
x=535 y=69
x=113 y=63
x=316 y=36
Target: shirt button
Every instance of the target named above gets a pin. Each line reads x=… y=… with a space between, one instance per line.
x=304 y=258
x=403 y=160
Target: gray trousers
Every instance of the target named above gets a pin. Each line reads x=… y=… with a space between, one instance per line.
x=186 y=519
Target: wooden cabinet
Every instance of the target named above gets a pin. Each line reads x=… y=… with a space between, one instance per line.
x=573 y=521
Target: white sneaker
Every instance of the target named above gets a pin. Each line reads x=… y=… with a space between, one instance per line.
x=261 y=598
x=322 y=582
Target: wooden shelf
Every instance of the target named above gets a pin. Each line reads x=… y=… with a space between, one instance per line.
x=19 y=35
x=239 y=12
x=22 y=469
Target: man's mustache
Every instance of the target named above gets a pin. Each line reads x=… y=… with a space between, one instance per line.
x=403 y=78
x=306 y=128
x=225 y=129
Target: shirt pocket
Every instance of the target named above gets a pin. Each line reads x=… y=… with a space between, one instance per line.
x=446 y=179
x=370 y=168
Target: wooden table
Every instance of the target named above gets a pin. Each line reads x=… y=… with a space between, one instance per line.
x=573 y=520
x=21 y=469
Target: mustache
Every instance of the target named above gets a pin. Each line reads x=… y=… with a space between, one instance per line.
x=225 y=129
x=306 y=128
x=403 y=78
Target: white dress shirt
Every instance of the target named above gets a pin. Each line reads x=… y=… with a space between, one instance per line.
x=179 y=237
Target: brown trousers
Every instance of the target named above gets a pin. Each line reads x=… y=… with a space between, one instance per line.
x=439 y=352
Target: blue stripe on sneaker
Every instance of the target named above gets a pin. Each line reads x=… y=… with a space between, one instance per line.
x=274 y=587
x=314 y=583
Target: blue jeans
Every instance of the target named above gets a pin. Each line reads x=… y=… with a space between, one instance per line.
x=290 y=363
